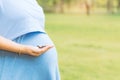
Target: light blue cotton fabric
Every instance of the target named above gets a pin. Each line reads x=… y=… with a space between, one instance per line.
x=25 y=67
x=23 y=22
x=18 y=17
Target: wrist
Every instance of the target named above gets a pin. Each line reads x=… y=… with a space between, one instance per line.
x=22 y=49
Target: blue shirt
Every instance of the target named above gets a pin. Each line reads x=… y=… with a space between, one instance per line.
x=18 y=17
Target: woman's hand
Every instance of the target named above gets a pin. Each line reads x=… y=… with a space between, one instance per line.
x=34 y=51
x=8 y=45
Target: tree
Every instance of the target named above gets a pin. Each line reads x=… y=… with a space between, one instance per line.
x=68 y=3
x=110 y=6
x=118 y=6
x=88 y=6
x=61 y=6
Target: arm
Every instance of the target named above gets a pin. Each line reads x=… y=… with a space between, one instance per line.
x=11 y=46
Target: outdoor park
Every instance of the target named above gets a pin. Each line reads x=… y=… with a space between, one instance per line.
x=87 y=38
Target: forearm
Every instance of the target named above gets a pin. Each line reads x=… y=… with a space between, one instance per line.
x=9 y=45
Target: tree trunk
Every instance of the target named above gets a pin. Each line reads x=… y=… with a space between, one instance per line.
x=110 y=6
x=61 y=6
x=118 y=6
x=88 y=5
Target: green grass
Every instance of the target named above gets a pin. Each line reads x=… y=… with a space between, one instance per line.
x=88 y=46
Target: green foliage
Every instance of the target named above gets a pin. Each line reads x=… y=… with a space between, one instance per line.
x=62 y=5
x=48 y=5
x=88 y=46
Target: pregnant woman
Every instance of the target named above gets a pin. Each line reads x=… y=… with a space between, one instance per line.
x=26 y=51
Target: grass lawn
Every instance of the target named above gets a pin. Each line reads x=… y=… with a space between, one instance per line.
x=88 y=46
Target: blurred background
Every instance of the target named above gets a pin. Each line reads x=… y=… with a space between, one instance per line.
x=80 y=6
x=86 y=34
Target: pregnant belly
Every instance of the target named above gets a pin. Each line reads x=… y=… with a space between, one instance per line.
x=34 y=39
x=26 y=65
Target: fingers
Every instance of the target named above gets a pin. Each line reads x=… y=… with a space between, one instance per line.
x=36 y=51
x=42 y=49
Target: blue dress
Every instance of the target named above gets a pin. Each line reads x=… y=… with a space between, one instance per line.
x=22 y=21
